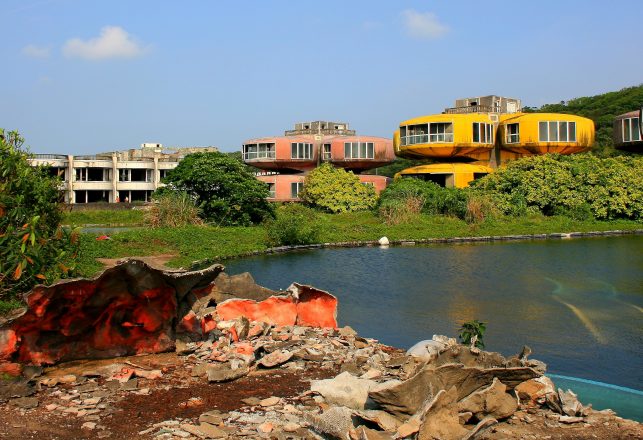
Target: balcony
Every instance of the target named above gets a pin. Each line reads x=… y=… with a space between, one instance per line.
x=254 y=155
x=426 y=139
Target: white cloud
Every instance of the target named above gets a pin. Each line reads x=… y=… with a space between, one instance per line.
x=113 y=42
x=423 y=24
x=34 y=51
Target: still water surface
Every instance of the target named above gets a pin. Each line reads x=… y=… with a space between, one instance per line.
x=577 y=303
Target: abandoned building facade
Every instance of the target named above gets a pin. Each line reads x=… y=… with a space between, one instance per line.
x=479 y=134
x=120 y=176
x=628 y=131
x=286 y=160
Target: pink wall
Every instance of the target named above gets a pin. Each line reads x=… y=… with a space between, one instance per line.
x=379 y=182
x=383 y=153
x=283 y=183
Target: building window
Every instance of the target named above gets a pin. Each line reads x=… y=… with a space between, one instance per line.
x=271 y=190
x=300 y=150
x=258 y=151
x=426 y=133
x=513 y=133
x=359 y=150
x=295 y=188
x=91 y=174
x=482 y=133
x=326 y=153
x=556 y=131
x=631 y=130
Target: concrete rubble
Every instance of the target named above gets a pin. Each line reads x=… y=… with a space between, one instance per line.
x=292 y=374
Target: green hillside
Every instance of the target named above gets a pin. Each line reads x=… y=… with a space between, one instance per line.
x=601 y=109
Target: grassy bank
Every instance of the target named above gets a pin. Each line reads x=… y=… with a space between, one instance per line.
x=194 y=243
x=122 y=217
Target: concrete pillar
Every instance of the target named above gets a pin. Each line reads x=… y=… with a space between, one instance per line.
x=112 y=197
x=72 y=176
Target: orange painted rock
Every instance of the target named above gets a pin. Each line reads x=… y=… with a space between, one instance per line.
x=128 y=309
x=301 y=305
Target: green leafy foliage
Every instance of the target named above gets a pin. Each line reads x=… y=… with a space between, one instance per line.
x=295 y=224
x=337 y=190
x=473 y=330
x=34 y=248
x=580 y=186
x=222 y=187
x=436 y=200
x=601 y=109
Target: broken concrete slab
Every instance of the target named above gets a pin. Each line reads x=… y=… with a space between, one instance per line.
x=299 y=305
x=344 y=389
x=127 y=309
x=440 y=419
x=492 y=401
x=218 y=374
x=405 y=399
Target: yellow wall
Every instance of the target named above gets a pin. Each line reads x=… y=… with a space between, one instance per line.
x=459 y=174
x=462 y=145
x=529 y=142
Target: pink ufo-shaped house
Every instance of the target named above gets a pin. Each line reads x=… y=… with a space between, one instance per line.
x=285 y=161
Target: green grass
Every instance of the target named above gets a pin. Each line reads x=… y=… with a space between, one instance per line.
x=8 y=305
x=121 y=217
x=194 y=243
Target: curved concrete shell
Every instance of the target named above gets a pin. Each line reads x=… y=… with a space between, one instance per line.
x=447 y=174
x=542 y=133
x=446 y=136
x=628 y=131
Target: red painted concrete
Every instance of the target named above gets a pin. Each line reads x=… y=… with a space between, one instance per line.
x=283 y=184
x=310 y=307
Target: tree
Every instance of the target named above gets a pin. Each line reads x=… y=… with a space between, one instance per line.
x=223 y=188
x=34 y=248
x=337 y=190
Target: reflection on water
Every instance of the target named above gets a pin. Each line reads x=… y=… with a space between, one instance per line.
x=576 y=303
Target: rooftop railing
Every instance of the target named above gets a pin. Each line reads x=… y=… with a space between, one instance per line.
x=93 y=157
x=473 y=109
x=323 y=131
x=50 y=156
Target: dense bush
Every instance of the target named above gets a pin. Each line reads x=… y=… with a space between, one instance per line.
x=435 y=200
x=33 y=246
x=172 y=209
x=223 y=188
x=295 y=224
x=337 y=190
x=580 y=186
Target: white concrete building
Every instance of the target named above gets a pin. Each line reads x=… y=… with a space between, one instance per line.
x=120 y=176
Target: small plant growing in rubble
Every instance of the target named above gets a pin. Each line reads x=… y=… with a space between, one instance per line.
x=472 y=333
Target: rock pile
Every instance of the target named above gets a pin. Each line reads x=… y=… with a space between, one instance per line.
x=275 y=365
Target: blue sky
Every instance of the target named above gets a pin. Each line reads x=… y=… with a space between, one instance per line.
x=90 y=76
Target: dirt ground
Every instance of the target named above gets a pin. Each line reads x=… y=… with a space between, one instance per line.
x=179 y=395
x=170 y=397
x=157 y=261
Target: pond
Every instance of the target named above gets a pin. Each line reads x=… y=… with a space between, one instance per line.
x=577 y=303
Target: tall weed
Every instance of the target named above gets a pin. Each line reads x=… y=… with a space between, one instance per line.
x=172 y=209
